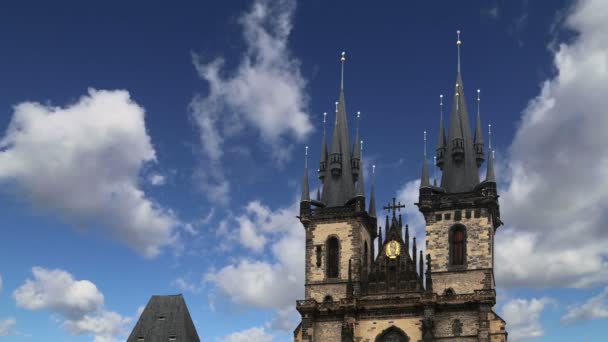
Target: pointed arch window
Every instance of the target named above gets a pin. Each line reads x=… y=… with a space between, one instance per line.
x=458 y=245
x=333 y=257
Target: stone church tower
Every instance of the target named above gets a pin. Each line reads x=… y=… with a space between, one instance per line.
x=364 y=282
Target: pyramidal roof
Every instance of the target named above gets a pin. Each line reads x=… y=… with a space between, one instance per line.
x=165 y=318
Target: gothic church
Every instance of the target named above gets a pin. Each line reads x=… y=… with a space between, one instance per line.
x=369 y=283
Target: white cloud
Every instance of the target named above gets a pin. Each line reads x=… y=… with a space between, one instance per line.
x=6 y=326
x=556 y=198
x=78 y=301
x=183 y=284
x=83 y=162
x=522 y=317
x=257 y=334
x=105 y=326
x=266 y=92
x=594 y=308
x=157 y=179
x=274 y=282
x=57 y=290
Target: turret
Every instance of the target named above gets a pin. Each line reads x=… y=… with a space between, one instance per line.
x=441 y=145
x=372 y=195
x=478 y=140
x=490 y=177
x=424 y=179
x=305 y=208
x=356 y=155
x=323 y=159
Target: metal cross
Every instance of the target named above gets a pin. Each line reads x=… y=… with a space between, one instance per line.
x=394 y=207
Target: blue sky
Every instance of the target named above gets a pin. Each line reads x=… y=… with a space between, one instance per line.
x=148 y=149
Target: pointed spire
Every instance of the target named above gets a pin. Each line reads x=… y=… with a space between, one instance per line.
x=490 y=177
x=414 y=251
x=339 y=188
x=360 y=184
x=319 y=193
x=441 y=145
x=458 y=42
x=356 y=152
x=424 y=180
x=478 y=139
x=420 y=260
x=305 y=188
x=407 y=238
x=372 y=195
x=379 y=240
x=460 y=171
x=323 y=159
x=342 y=59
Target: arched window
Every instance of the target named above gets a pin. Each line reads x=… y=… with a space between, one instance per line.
x=392 y=334
x=333 y=257
x=328 y=299
x=458 y=245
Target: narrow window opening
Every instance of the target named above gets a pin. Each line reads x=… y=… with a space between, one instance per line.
x=458 y=215
x=458 y=245
x=333 y=257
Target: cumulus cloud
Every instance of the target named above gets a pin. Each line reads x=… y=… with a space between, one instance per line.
x=594 y=308
x=256 y=334
x=268 y=283
x=83 y=161
x=6 y=326
x=266 y=92
x=522 y=316
x=556 y=197
x=78 y=301
x=183 y=284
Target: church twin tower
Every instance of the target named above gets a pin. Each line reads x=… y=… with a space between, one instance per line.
x=363 y=284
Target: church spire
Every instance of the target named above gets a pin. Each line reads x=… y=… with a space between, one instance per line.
x=338 y=186
x=414 y=251
x=305 y=188
x=424 y=180
x=360 y=184
x=323 y=159
x=490 y=177
x=372 y=195
x=460 y=172
x=478 y=139
x=356 y=157
x=441 y=145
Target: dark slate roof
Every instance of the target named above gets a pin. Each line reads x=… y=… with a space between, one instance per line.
x=372 y=197
x=462 y=176
x=337 y=190
x=478 y=134
x=163 y=318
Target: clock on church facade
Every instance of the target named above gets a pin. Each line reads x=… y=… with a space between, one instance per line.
x=369 y=282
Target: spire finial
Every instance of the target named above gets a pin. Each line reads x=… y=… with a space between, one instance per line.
x=362 y=148
x=478 y=99
x=306 y=158
x=441 y=109
x=458 y=42
x=342 y=59
x=305 y=187
x=324 y=123
x=424 y=145
x=490 y=137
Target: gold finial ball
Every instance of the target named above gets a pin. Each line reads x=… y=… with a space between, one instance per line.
x=343 y=58
x=441 y=96
x=458 y=31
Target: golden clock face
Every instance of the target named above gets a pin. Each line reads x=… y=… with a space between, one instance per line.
x=393 y=249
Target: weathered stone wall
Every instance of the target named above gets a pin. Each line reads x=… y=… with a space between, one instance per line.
x=319 y=291
x=328 y=331
x=320 y=232
x=461 y=282
x=479 y=241
x=368 y=330
x=498 y=329
x=444 y=323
